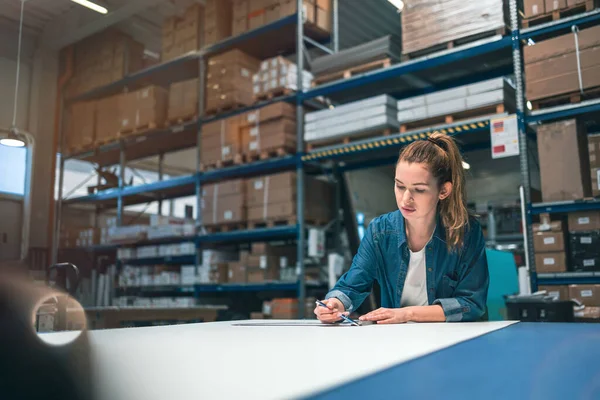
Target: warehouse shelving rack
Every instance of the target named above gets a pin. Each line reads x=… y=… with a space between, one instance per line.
x=485 y=59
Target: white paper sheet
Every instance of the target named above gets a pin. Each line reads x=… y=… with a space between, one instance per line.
x=218 y=360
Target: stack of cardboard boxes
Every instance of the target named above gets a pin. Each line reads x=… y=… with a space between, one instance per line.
x=183 y=100
x=251 y=14
x=224 y=203
x=72 y=237
x=104 y=58
x=276 y=75
x=570 y=179
x=532 y=8
x=220 y=141
x=229 y=80
x=268 y=129
x=549 y=246
x=217 y=21
x=551 y=66
x=285 y=308
x=182 y=35
x=594 y=151
x=81 y=130
x=144 y=108
x=584 y=232
x=273 y=198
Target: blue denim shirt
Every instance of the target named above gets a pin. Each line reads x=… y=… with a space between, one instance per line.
x=458 y=280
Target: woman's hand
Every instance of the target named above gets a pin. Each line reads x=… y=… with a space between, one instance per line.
x=389 y=315
x=332 y=313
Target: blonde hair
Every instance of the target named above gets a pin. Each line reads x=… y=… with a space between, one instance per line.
x=442 y=156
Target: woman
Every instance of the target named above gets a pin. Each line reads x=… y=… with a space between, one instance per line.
x=429 y=256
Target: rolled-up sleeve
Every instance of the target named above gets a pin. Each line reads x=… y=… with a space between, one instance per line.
x=355 y=285
x=470 y=295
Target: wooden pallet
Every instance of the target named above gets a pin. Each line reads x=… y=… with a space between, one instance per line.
x=224 y=109
x=137 y=130
x=347 y=73
x=273 y=222
x=450 y=118
x=558 y=14
x=106 y=140
x=348 y=139
x=273 y=93
x=181 y=120
x=225 y=227
x=80 y=149
x=567 y=98
x=236 y=159
x=266 y=154
x=454 y=43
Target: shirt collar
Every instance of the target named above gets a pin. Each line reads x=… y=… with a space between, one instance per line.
x=439 y=233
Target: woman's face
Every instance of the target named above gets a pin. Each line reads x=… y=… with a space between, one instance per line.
x=417 y=191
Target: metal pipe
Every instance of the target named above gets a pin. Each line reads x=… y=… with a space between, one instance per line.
x=299 y=166
x=318 y=45
x=201 y=94
x=523 y=153
x=336 y=27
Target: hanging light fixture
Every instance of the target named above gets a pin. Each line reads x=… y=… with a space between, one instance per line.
x=13 y=136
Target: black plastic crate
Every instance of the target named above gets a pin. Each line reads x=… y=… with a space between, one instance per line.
x=544 y=309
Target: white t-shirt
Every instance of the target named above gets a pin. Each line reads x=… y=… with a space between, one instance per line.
x=415 y=285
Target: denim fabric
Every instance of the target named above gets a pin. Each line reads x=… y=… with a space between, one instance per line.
x=457 y=280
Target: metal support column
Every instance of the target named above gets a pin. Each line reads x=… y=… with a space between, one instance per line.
x=336 y=27
x=161 y=160
x=523 y=153
x=201 y=86
x=121 y=184
x=58 y=210
x=300 y=166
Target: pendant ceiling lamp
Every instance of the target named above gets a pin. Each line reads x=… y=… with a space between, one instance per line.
x=13 y=136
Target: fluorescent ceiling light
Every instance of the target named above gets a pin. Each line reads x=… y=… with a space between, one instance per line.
x=12 y=142
x=466 y=165
x=91 y=6
x=399 y=4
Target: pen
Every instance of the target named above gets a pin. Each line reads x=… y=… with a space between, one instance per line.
x=320 y=303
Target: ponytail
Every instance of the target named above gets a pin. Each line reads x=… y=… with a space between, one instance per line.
x=441 y=154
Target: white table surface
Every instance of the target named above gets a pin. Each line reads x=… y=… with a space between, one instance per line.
x=223 y=361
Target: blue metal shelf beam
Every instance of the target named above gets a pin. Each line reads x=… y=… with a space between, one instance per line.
x=250 y=235
x=570 y=278
x=560 y=27
x=564 y=207
x=567 y=111
x=188 y=259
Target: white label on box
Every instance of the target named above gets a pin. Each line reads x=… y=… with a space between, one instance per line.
x=225 y=150
x=124 y=122
x=549 y=261
x=254 y=145
x=554 y=295
x=227 y=215
x=258 y=185
x=254 y=131
x=230 y=274
x=586 y=240
x=252 y=116
x=273 y=73
x=274 y=61
x=555 y=5
x=245 y=73
x=589 y=263
x=534 y=9
x=598 y=178
x=263 y=262
x=586 y=293
x=283 y=262
x=505 y=137
x=256 y=89
x=265 y=77
x=549 y=240
x=583 y=221
x=264 y=65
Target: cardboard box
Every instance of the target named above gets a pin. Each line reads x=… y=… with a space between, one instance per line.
x=269 y=136
x=594 y=150
x=108 y=118
x=268 y=113
x=240 y=9
x=218 y=19
x=544 y=242
x=531 y=8
x=144 y=108
x=272 y=13
x=219 y=273
x=257 y=315
x=585 y=243
x=595 y=182
x=584 y=221
x=237 y=272
x=324 y=4
x=552 y=5
x=225 y=188
x=588 y=295
x=183 y=100
x=81 y=125
x=550 y=226
x=564 y=44
x=255 y=275
x=584 y=263
x=568 y=178
x=323 y=19
x=239 y=26
x=559 y=292
x=551 y=262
